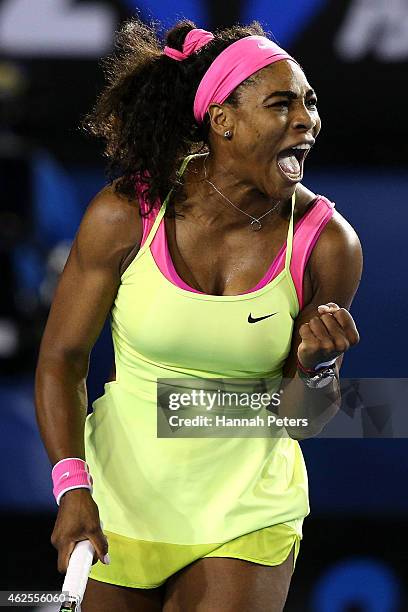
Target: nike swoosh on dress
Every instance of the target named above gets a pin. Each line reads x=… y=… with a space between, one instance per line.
x=251 y=319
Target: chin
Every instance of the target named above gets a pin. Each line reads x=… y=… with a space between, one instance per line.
x=284 y=188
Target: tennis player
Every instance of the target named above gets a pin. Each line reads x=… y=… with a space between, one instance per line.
x=214 y=261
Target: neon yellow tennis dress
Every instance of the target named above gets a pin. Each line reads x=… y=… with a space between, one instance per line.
x=166 y=502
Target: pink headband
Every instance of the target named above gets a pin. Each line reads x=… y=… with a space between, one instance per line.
x=194 y=40
x=232 y=66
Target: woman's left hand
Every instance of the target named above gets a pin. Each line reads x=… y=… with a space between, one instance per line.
x=326 y=336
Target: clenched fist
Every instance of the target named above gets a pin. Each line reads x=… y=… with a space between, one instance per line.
x=326 y=336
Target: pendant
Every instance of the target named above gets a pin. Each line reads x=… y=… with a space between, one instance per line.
x=256 y=225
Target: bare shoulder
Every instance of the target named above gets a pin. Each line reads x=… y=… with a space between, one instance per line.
x=338 y=238
x=336 y=261
x=114 y=212
x=304 y=196
x=110 y=228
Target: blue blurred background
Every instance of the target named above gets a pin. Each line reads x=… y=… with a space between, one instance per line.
x=355 y=54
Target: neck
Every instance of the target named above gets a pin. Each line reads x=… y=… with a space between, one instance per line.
x=227 y=197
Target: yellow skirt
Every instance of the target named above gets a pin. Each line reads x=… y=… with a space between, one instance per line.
x=145 y=565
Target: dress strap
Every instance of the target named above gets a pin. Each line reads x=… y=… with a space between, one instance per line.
x=289 y=238
x=162 y=211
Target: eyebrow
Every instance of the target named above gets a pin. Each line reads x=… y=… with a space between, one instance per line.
x=288 y=94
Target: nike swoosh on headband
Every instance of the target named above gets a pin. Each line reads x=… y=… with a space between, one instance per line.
x=266 y=45
x=252 y=319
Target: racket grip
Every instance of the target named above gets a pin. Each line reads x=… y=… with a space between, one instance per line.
x=78 y=570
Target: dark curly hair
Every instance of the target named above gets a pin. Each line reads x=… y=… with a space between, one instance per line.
x=145 y=113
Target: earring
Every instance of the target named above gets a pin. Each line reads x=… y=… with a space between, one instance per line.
x=228 y=134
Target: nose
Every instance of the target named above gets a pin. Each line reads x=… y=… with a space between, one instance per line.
x=304 y=119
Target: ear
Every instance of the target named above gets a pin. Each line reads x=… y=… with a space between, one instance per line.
x=221 y=119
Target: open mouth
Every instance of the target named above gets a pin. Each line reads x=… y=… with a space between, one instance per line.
x=290 y=161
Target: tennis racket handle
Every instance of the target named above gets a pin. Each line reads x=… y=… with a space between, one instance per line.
x=78 y=570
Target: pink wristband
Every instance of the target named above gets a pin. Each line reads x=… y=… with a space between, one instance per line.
x=70 y=473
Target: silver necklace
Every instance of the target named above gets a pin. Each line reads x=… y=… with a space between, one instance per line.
x=255 y=223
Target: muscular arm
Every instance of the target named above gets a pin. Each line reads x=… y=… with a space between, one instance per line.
x=109 y=230
x=335 y=269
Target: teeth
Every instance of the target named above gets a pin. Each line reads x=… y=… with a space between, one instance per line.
x=303 y=146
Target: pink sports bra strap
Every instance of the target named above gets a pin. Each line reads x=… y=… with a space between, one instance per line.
x=147 y=222
x=307 y=233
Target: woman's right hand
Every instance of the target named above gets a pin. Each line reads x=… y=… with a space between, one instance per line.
x=77 y=520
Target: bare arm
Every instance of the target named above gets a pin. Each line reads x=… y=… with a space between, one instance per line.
x=109 y=230
x=83 y=299
x=335 y=269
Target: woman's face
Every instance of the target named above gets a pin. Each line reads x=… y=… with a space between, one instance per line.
x=275 y=114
